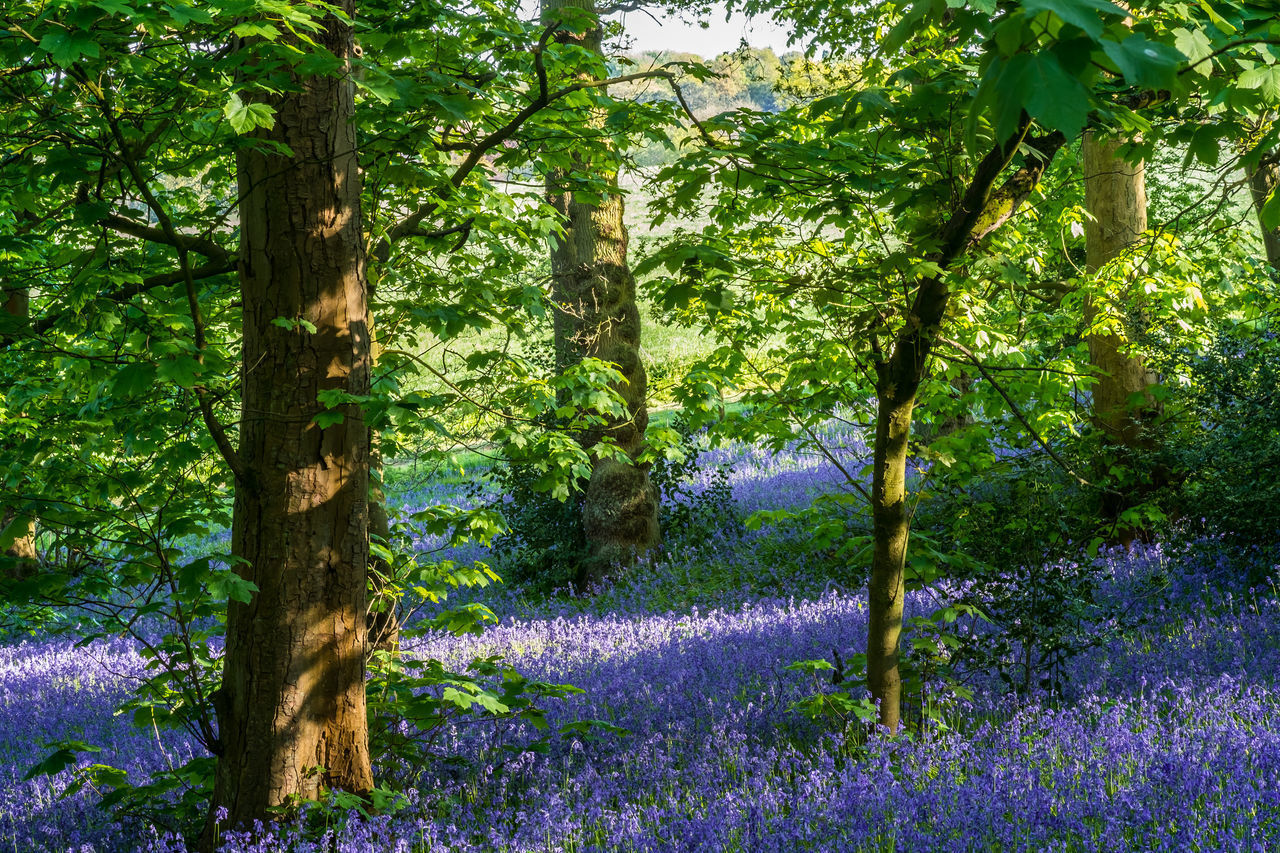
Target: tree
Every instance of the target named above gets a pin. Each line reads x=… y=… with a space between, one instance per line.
x=1116 y=199
x=887 y=202
x=1262 y=170
x=594 y=293
x=291 y=709
x=1123 y=405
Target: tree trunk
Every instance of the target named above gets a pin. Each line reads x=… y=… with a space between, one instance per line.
x=291 y=709
x=1116 y=198
x=384 y=625
x=1263 y=179
x=890 y=530
x=19 y=557
x=899 y=372
x=596 y=316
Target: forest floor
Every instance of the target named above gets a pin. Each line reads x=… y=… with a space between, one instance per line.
x=1160 y=733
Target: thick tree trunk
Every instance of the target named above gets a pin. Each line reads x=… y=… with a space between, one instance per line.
x=1116 y=198
x=597 y=317
x=291 y=709
x=1263 y=179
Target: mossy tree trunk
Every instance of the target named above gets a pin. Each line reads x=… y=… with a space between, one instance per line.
x=1263 y=179
x=1124 y=408
x=900 y=369
x=597 y=316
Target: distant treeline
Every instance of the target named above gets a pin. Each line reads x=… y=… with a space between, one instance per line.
x=748 y=78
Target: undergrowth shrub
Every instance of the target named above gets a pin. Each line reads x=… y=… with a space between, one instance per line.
x=1228 y=441
x=690 y=509
x=545 y=547
x=1025 y=530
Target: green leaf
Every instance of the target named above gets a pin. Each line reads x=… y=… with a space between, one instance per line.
x=1206 y=146
x=1270 y=213
x=134 y=380
x=329 y=418
x=66 y=47
x=1144 y=62
x=291 y=324
x=1197 y=47
x=1086 y=14
x=251 y=29
x=246 y=117
x=1264 y=78
x=232 y=587
x=1218 y=21
x=182 y=370
x=61 y=758
x=1052 y=97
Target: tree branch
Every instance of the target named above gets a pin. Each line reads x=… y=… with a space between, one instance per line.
x=128 y=291
x=970 y=358
x=181 y=242
x=133 y=228
x=544 y=97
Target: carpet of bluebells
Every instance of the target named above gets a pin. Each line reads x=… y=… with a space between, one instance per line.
x=1165 y=737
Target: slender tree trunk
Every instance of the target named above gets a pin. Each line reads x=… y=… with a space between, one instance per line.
x=19 y=557
x=1263 y=179
x=890 y=530
x=597 y=317
x=291 y=709
x=1116 y=198
x=899 y=372
x=384 y=625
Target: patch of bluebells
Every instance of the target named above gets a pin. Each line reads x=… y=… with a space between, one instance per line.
x=1163 y=740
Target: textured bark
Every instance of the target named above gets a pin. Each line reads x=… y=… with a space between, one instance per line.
x=1263 y=179
x=890 y=530
x=17 y=303
x=20 y=557
x=597 y=317
x=1116 y=198
x=291 y=709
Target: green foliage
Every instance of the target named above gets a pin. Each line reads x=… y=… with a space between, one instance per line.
x=848 y=715
x=1028 y=532
x=819 y=221
x=1225 y=449
x=414 y=702
x=688 y=514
